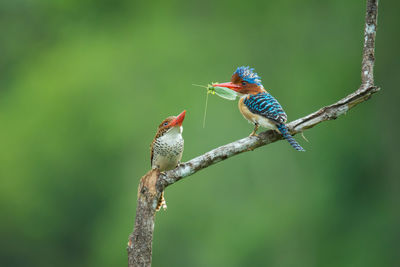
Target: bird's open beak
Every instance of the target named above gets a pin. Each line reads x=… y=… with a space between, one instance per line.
x=178 y=120
x=229 y=85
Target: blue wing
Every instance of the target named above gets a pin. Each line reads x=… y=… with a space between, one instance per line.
x=267 y=106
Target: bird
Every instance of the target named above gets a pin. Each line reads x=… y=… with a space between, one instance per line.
x=166 y=149
x=257 y=105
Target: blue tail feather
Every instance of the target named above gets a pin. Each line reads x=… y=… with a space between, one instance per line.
x=285 y=133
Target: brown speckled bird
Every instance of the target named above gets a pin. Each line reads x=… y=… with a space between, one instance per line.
x=167 y=147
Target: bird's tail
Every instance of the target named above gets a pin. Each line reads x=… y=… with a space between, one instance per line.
x=285 y=133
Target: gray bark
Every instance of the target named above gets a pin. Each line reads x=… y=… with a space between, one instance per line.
x=141 y=239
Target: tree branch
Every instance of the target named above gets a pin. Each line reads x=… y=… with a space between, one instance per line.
x=153 y=183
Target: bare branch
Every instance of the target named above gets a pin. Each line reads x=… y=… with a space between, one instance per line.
x=252 y=142
x=371 y=18
x=154 y=182
x=141 y=239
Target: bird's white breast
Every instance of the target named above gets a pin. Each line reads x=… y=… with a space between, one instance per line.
x=171 y=137
x=168 y=149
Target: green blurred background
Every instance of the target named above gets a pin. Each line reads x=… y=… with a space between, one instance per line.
x=84 y=85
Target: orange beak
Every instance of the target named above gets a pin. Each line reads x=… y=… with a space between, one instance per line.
x=178 y=120
x=229 y=85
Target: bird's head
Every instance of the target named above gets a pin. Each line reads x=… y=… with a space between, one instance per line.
x=171 y=124
x=244 y=81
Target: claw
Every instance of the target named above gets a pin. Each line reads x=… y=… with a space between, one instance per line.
x=161 y=203
x=164 y=205
x=254 y=132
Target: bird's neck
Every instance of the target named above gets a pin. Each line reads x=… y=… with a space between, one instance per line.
x=252 y=90
x=172 y=134
x=253 y=93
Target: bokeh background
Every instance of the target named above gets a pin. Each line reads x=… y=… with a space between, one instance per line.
x=84 y=85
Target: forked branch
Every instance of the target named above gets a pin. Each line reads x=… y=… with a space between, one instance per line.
x=154 y=182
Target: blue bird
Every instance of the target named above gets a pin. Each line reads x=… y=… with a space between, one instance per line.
x=257 y=105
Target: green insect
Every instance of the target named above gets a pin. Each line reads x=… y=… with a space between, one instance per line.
x=222 y=92
x=225 y=93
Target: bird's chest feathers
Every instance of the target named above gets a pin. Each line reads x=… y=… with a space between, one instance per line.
x=169 y=143
x=252 y=117
x=167 y=150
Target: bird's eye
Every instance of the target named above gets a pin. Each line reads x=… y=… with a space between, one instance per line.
x=244 y=83
x=165 y=124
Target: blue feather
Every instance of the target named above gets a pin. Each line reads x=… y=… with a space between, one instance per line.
x=267 y=106
x=285 y=133
x=248 y=75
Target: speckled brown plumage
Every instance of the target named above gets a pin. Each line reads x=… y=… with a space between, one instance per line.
x=167 y=146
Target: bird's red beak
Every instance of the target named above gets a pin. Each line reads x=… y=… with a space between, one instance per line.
x=178 y=120
x=229 y=85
